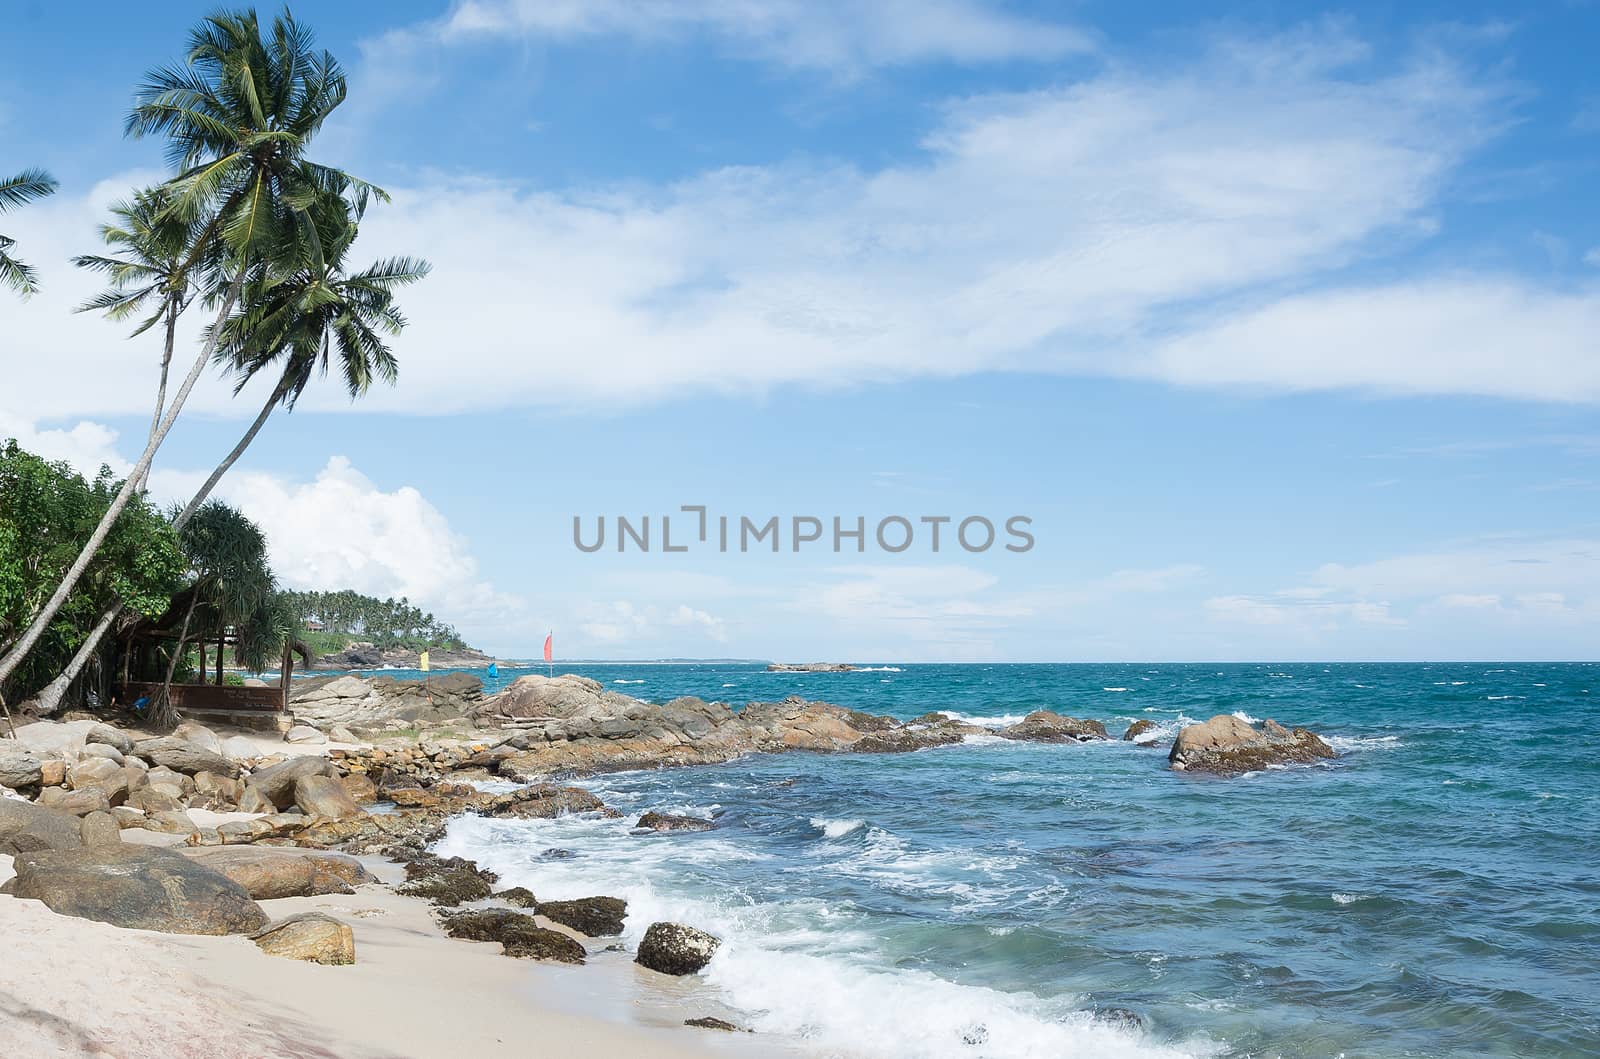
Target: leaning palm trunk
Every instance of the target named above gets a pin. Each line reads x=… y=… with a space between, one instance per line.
x=20 y=649
x=49 y=699
x=163 y=715
x=238 y=450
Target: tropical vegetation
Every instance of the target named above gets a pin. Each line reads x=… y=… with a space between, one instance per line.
x=332 y=619
x=254 y=230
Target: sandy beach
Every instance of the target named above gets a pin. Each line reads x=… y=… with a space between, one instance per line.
x=74 y=988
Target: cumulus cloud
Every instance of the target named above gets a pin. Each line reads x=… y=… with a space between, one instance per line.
x=1182 y=225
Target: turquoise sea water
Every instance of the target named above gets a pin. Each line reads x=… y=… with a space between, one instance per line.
x=1434 y=892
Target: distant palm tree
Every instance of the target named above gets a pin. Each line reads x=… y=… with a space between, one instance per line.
x=25 y=187
x=238 y=118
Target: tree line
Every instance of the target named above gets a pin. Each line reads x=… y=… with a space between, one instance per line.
x=252 y=231
x=384 y=622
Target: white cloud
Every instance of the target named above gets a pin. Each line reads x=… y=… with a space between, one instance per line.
x=835 y=35
x=86 y=445
x=643 y=629
x=340 y=530
x=1131 y=224
x=1308 y=615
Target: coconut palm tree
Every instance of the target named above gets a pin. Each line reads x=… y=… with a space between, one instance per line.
x=238 y=118
x=25 y=187
x=303 y=321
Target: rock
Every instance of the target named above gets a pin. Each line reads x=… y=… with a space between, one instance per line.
x=672 y=948
x=104 y=750
x=707 y=1022
x=155 y=798
x=448 y=882
x=1228 y=746
x=372 y=702
x=52 y=773
x=200 y=736
x=340 y=734
x=182 y=786
x=180 y=755
x=127 y=817
x=544 y=802
x=170 y=822
x=304 y=733
x=1120 y=1017
x=518 y=933
x=20 y=766
x=277 y=782
x=1138 y=728
x=1045 y=726
x=255 y=682
x=810 y=667
x=25 y=827
x=654 y=821
x=360 y=788
x=78 y=803
x=324 y=796
x=53 y=737
x=271 y=872
x=310 y=936
x=101 y=774
x=253 y=801
x=520 y=896
x=100 y=829
x=106 y=735
x=243 y=832
x=598 y=917
x=142 y=887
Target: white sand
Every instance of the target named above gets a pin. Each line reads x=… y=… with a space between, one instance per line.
x=71 y=987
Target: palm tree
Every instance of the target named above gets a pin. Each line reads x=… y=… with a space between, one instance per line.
x=238 y=118
x=25 y=187
x=306 y=319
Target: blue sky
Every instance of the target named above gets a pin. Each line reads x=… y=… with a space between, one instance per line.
x=1278 y=323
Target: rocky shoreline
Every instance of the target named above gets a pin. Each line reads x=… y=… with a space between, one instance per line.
x=361 y=655
x=189 y=833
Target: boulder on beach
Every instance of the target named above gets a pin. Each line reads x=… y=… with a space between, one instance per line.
x=78 y=803
x=323 y=702
x=304 y=733
x=711 y=1022
x=105 y=735
x=100 y=829
x=20 y=766
x=653 y=821
x=26 y=827
x=518 y=933
x=447 y=881
x=144 y=887
x=268 y=873
x=276 y=783
x=672 y=948
x=1047 y=726
x=598 y=917
x=324 y=796
x=180 y=755
x=1229 y=746
x=310 y=936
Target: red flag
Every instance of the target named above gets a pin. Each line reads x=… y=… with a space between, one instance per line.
x=548 y=641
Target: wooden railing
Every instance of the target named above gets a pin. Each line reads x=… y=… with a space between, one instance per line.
x=210 y=696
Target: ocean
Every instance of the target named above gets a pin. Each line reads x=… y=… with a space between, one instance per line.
x=1433 y=892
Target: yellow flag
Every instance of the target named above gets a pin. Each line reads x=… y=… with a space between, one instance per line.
x=422 y=661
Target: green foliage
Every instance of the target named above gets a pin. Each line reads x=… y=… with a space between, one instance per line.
x=385 y=622
x=25 y=187
x=234 y=586
x=47 y=512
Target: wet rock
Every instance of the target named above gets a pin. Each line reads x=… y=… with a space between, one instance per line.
x=544 y=802
x=25 y=827
x=518 y=933
x=598 y=917
x=708 y=1022
x=1138 y=728
x=180 y=755
x=100 y=829
x=520 y=896
x=654 y=821
x=672 y=948
x=271 y=872
x=1121 y=1017
x=1045 y=726
x=143 y=887
x=1229 y=746
x=310 y=936
x=448 y=881
x=324 y=796
x=810 y=667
